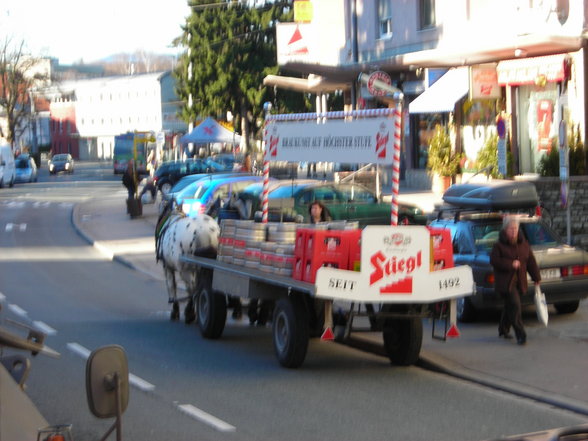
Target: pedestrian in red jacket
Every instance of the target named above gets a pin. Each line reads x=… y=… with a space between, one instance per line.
x=511 y=259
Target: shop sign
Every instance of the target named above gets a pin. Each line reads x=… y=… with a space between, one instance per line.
x=360 y=140
x=535 y=70
x=372 y=83
x=303 y=11
x=484 y=82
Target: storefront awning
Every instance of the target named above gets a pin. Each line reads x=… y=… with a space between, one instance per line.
x=443 y=94
x=529 y=70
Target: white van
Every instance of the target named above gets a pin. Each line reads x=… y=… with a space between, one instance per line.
x=7 y=169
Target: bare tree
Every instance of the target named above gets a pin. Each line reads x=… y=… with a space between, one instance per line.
x=19 y=73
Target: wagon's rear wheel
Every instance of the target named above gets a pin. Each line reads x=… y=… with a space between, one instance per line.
x=403 y=339
x=290 y=330
x=212 y=309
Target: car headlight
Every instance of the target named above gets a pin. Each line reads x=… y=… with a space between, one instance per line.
x=66 y=165
x=51 y=166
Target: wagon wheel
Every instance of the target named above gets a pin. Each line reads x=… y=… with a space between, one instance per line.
x=290 y=331
x=403 y=339
x=212 y=309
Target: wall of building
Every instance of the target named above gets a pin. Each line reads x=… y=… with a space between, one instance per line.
x=549 y=190
x=462 y=25
x=64 y=137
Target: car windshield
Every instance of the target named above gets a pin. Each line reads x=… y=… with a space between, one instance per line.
x=285 y=191
x=60 y=158
x=486 y=235
x=194 y=191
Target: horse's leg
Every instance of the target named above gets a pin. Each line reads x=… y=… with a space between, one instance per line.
x=170 y=283
x=190 y=279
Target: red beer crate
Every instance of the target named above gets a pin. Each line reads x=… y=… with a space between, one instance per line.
x=300 y=244
x=442 y=248
x=354 y=250
x=311 y=265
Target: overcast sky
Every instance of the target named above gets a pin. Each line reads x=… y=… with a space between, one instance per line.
x=71 y=30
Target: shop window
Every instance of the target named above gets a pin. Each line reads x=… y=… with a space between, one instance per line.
x=385 y=18
x=426 y=14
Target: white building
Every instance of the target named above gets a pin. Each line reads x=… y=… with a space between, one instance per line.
x=109 y=106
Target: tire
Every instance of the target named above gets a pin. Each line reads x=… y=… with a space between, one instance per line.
x=290 y=331
x=212 y=310
x=567 y=307
x=165 y=188
x=466 y=312
x=403 y=339
x=1 y=183
x=11 y=183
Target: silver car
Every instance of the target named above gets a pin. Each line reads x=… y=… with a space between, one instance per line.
x=26 y=169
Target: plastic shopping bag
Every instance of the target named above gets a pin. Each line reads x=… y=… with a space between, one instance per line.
x=541 y=306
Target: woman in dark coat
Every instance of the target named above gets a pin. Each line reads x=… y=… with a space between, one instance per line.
x=511 y=259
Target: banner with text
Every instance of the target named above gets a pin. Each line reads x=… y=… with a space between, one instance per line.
x=357 y=141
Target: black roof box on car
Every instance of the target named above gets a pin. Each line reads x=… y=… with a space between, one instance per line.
x=493 y=195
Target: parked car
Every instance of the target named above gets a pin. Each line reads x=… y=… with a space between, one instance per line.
x=289 y=201
x=564 y=268
x=168 y=173
x=7 y=167
x=61 y=162
x=209 y=195
x=170 y=196
x=26 y=169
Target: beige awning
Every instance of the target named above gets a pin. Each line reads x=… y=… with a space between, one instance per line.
x=312 y=84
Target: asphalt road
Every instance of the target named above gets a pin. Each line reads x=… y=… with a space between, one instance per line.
x=185 y=387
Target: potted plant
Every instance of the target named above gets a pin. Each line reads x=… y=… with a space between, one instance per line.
x=443 y=161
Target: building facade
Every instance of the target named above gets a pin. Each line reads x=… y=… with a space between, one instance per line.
x=109 y=106
x=458 y=62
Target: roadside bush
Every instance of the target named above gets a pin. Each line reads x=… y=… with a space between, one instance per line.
x=577 y=153
x=549 y=163
x=488 y=156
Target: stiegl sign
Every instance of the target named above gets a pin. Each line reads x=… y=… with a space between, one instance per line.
x=363 y=140
x=395 y=268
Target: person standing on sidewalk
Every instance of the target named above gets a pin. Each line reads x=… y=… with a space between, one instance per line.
x=512 y=258
x=129 y=179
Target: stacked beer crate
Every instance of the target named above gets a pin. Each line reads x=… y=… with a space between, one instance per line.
x=265 y=247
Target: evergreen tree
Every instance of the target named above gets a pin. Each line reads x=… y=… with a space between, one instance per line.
x=230 y=49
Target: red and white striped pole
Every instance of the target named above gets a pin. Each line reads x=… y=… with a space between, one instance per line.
x=264 y=196
x=396 y=162
x=265 y=193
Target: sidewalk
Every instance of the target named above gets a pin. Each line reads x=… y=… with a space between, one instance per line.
x=551 y=368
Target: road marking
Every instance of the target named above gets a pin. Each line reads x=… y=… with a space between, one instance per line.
x=17 y=310
x=9 y=227
x=79 y=350
x=22 y=228
x=206 y=418
x=141 y=384
x=44 y=328
x=138 y=382
x=2 y=298
x=40 y=204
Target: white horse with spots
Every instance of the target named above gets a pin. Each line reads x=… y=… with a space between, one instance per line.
x=184 y=235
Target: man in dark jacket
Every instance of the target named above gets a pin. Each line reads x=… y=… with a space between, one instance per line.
x=512 y=258
x=129 y=179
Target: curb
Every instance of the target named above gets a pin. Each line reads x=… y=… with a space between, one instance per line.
x=439 y=364
x=107 y=253
x=435 y=363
